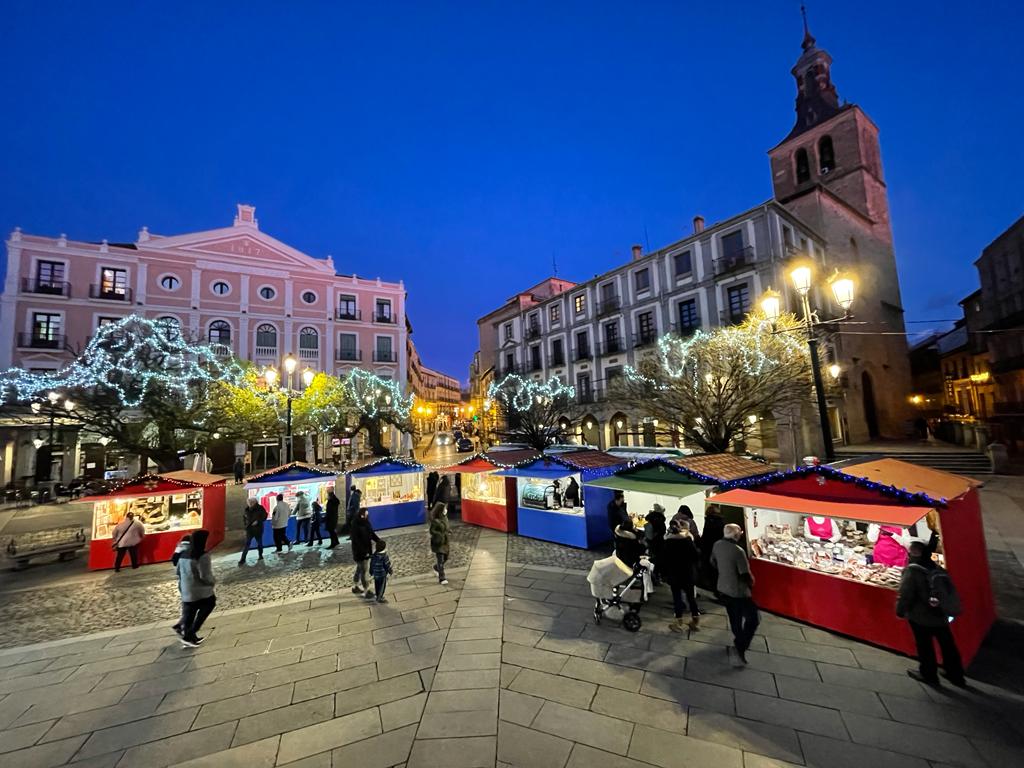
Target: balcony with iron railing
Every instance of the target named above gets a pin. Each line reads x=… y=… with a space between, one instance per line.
x=557 y=359
x=645 y=338
x=107 y=293
x=385 y=319
x=348 y=355
x=264 y=352
x=309 y=353
x=609 y=306
x=532 y=332
x=45 y=287
x=384 y=356
x=221 y=349
x=735 y=260
x=582 y=353
x=588 y=396
x=344 y=313
x=44 y=340
x=685 y=330
x=612 y=347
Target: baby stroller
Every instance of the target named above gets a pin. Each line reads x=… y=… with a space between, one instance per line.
x=615 y=585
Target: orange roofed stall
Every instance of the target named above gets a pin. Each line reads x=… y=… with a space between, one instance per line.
x=488 y=499
x=828 y=546
x=169 y=505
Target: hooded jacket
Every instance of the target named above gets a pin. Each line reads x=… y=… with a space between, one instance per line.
x=628 y=547
x=195 y=571
x=439 y=530
x=303 y=509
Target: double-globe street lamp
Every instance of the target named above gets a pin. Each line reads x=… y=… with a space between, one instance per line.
x=271 y=376
x=52 y=398
x=842 y=291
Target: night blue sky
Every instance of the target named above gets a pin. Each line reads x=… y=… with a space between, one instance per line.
x=460 y=146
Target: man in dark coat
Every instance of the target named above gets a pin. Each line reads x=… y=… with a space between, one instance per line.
x=355 y=501
x=363 y=536
x=617 y=514
x=252 y=521
x=331 y=517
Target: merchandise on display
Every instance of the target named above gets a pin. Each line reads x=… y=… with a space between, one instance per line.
x=380 y=490
x=537 y=493
x=168 y=512
x=484 y=487
x=849 y=557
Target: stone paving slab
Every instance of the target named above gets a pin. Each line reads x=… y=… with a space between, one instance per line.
x=473 y=674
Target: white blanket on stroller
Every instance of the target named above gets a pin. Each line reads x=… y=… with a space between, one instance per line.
x=606 y=574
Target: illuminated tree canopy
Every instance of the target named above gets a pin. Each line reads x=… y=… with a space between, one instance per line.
x=709 y=385
x=536 y=413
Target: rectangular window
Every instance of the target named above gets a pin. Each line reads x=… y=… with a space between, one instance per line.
x=383 y=311
x=611 y=338
x=582 y=346
x=50 y=276
x=384 y=351
x=508 y=331
x=555 y=314
x=642 y=279
x=100 y=322
x=579 y=304
x=584 y=392
x=46 y=327
x=787 y=237
x=510 y=362
x=646 y=331
x=689 y=319
x=535 y=358
x=348 y=346
x=113 y=282
x=739 y=303
x=608 y=292
x=557 y=353
x=347 y=307
x=611 y=374
x=732 y=245
x=683 y=264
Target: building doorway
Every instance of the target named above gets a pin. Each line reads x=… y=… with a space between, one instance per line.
x=870 y=412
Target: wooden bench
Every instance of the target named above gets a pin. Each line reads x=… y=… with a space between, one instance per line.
x=64 y=542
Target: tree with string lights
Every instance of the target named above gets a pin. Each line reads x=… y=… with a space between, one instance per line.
x=139 y=383
x=534 y=412
x=374 y=403
x=713 y=386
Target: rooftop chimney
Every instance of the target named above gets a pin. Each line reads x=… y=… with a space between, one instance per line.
x=698 y=224
x=638 y=252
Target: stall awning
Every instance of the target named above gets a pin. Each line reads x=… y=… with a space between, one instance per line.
x=626 y=483
x=551 y=472
x=473 y=465
x=869 y=513
x=387 y=467
x=296 y=472
x=194 y=476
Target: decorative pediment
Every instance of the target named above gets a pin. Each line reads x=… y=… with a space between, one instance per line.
x=249 y=243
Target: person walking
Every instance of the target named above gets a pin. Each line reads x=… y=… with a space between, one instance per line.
x=684 y=516
x=443 y=494
x=239 y=470
x=439 y=534
x=355 y=502
x=303 y=512
x=928 y=601
x=380 y=569
x=315 y=522
x=714 y=527
x=127 y=535
x=678 y=566
x=252 y=521
x=735 y=584
x=279 y=521
x=617 y=514
x=183 y=546
x=363 y=537
x=196 y=582
x=331 y=517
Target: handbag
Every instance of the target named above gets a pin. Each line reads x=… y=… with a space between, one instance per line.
x=114 y=545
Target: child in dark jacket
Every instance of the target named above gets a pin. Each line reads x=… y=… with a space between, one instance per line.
x=380 y=569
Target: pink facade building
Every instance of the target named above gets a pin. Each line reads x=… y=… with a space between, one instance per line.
x=235 y=287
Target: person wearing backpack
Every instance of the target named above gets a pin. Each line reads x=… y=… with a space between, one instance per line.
x=928 y=601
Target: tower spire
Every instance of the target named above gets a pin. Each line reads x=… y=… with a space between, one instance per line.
x=808 y=37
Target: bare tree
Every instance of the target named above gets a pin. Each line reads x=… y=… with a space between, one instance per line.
x=709 y=385
x=536 y=413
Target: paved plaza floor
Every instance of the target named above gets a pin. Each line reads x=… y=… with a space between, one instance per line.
x=503 y=666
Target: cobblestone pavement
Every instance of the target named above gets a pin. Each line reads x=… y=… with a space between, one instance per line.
x=109 y=601
x=534 y=552
x=505 y=668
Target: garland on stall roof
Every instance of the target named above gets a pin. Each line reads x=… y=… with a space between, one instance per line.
x=286 y=467
x=693 y=474
x=413 y=465
x=151 y=480
x=832 y=473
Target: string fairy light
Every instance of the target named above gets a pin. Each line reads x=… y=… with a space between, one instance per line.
x=375 y=395
x=517 y=393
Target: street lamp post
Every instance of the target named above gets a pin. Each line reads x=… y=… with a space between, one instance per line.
x=842 y=290
x=271 y=376
x=52 y=398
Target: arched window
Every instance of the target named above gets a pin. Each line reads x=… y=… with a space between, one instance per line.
x=220 y=332
x=266 y=335
x=309 y=339
x=803 y=166
x=826 y=155
x=171 y=326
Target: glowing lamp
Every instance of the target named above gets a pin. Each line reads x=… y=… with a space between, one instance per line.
x=842 y=291
x=618 y=424
x=771 y=304
x=104 y=441
x=801 y=277
x=53 y=397
x=37 y=407
x=752 y=418
x=590 y=424
x=308 y=375
x=289 y=364
x=69 y=405
x=834 y=370
x=270 y=374
x=38 y=442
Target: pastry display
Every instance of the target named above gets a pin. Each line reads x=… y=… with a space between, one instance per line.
x=484 y=487
x=157 y=513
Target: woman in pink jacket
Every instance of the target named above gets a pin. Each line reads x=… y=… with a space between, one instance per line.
x=128 y=534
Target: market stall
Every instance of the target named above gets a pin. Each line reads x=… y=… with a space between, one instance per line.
x=288 y=480
x=488 y=499
x=392 y=490
x=169 y=506
x=552 y=503
x=828 y=546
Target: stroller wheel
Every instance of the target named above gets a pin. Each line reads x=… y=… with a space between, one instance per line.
x=631 y=621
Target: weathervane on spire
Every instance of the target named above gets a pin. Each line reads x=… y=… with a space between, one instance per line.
x=808 y=37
